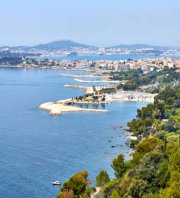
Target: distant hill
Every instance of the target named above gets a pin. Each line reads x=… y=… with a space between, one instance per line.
x=68 y=44
x=63 y=44
x=139 y=46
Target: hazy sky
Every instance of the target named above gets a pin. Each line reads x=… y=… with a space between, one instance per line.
x=95 y=22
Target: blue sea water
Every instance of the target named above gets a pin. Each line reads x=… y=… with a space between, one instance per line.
x=105 y=57
x=111 y=57
x=36 y=149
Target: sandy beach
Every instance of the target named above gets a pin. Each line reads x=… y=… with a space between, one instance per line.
x=58 y=108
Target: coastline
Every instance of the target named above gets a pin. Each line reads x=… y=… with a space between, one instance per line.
x=62 y=106
x=57 y=108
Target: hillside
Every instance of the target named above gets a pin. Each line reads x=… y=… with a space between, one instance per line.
x=154 y=169
x=140 y=46
x=63 y=44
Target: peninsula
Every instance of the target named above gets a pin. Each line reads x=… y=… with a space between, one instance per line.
x=57 y=108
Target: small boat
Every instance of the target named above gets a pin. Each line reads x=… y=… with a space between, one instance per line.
x=56 y=183
x=72 y=54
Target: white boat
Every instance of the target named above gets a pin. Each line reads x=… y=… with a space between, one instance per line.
x=57 y=183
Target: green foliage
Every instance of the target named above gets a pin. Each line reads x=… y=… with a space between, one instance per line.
x=163 y=173
x=133 y=143
x=66 y=194
x=120 y=86
x=161 y=134
x=174 y=160
x=77 y=184
x=107 y=90
x=169 y=96
x=144 y=147
x=173 y=189
x=151 y=118
x=110 y=187
x=150 y=195
x=130 y=85
x=154 y=170
x=175 y=120
x=114 y=194
x=137 y=188
x=119 y=166
x=164 y=77
x=102 y=178
x=127 y=75
x=88 y=192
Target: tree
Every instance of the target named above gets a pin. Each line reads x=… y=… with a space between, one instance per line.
x=130 y=86
x=102 y=178
x=77 y=184
x=119 y=166
x=120 y=86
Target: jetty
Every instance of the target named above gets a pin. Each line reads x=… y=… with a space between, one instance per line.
x=96 y=81
x=81 y=76
x=86 y=89
x=75 y=87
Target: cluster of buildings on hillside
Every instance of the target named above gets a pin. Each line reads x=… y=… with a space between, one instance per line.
x=115 y=65
x=37 y=51
x=124 y=65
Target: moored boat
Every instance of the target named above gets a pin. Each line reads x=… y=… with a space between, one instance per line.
x=56 y=183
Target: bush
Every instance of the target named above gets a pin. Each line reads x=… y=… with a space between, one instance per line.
x=133 y=143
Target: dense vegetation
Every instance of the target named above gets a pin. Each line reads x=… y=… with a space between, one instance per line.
x=77 y=186
x=154 y=170
x=127 y=75
x=109 y=90
x=10 y=61
x=135 y=79
x=90 y=97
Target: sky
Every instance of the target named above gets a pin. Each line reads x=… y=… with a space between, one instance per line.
x=95 y=22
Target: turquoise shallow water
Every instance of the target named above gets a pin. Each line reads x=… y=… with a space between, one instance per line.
x=36 y=149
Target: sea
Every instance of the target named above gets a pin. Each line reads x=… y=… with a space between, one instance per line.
x=37 y=149
x=113 y=57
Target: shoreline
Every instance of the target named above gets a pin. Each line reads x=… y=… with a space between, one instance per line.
x=131 y=96
x=54 y=108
